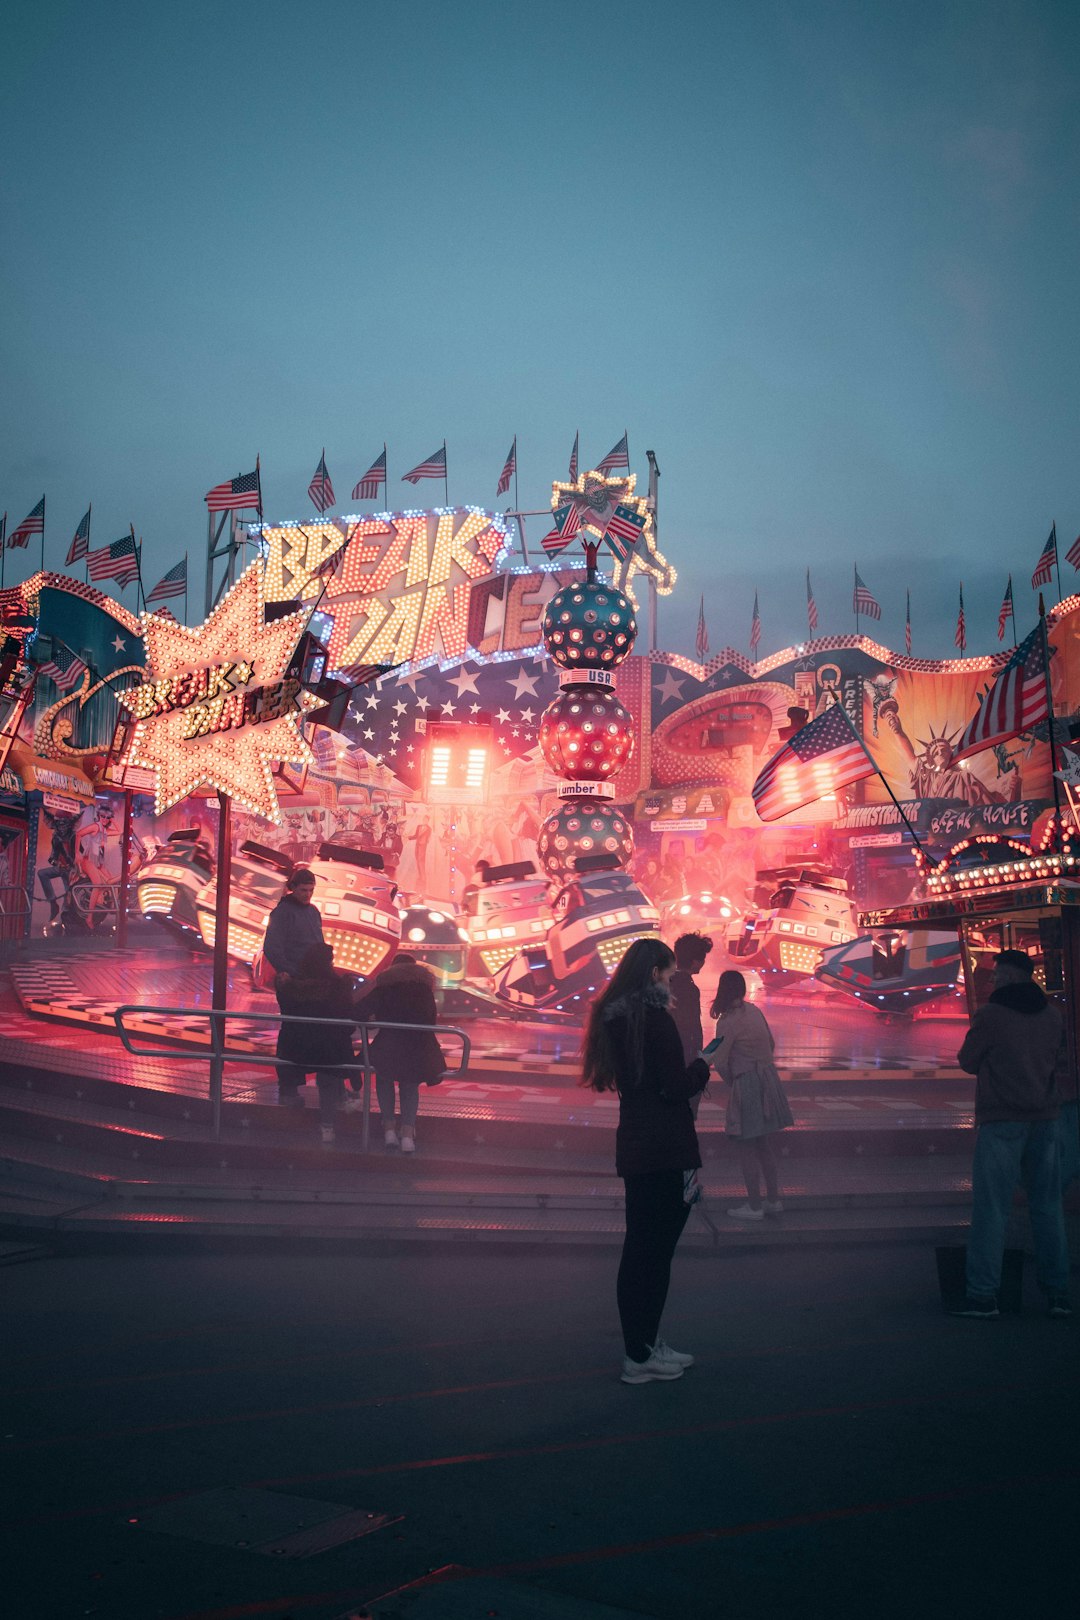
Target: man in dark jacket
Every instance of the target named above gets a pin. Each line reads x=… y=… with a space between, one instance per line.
x=690 y=953
x=1015 y=1047
x=294 y=927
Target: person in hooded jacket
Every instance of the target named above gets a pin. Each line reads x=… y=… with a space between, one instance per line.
x=1015 y=1047
x=317 y=990
x=632 y=1046
x=403 y=993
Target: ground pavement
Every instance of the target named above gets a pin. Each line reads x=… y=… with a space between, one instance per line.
x=460 y=1445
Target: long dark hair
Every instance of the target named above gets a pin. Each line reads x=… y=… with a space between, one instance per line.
x=628 y=984
x=732 y=988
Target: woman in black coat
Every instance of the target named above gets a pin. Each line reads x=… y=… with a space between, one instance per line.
x=403 y=993
x=632 y=1046
x=317 y=990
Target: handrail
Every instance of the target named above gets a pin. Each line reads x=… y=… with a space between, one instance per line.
x=217 y=1021
x=25 y=909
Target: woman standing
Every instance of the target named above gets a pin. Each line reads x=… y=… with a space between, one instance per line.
x=756 y=1103
x=632 y=1046
x=403 y=993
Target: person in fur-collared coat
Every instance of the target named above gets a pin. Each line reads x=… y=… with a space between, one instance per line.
x=403 y=993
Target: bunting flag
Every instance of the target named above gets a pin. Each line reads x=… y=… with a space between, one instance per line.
x=1016 y=702
x=617 y=456
x=702 y=642
x=1005 y=609
x=755 y=627
x=811 y=605
x=509 y=469
x=821 y=758
x=373 y=480
x=120 y=561
x=1073 y=553
x=80 y=545
x=321 y=490
x=863 y=601
x=1044 y=568
x=960 y=638
x=574 y=462
x=174 y=583
x=567 y=521
x=623 y=530
x=907 y=627
x=433 y=467
x=64 y=668
x=32 y=523
x=236 y=494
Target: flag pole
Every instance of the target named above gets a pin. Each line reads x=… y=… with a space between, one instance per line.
x=3 y=549
x=1012 y=611
x=86 y=553
x=185 y=588
x=446 y=475
x=919 y=845
x=517 y=502
x=1057 y=560
x=42 y=534
x=855 y=597
x=1050 y=726
x=139 y=597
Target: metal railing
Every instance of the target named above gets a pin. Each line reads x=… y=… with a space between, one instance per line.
x=9 y=910
x=217 y=1052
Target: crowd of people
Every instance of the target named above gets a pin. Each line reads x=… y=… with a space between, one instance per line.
x=645 y=1041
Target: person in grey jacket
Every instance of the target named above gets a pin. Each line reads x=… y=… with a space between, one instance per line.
x=294 y=927
x=1015 y=1047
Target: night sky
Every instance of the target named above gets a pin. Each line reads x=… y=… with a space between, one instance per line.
x=821 y=257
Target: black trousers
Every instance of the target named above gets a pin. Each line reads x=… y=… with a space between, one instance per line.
x=655 y=1217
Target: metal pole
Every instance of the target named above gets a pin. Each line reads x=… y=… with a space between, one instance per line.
x=365 y=1129
x=654 y=502
x=125 y=875
x=220 y=987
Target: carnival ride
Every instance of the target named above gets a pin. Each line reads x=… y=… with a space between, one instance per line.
x=894 y=971
x=436 y=938
x=807 y=911
x=171 y=879
x=506 y=912
x=597 y=915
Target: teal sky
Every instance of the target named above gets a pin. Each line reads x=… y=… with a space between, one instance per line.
x=822 y=258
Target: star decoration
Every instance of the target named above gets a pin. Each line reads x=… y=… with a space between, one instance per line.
x=354 y=711
x=371 y=700
x=523 y=684
x=368 y=732
x=503 y=716
x=669 y=687
x=238 y=760
x=595 y=498
x=527 y=716
x=400 y=708
x=474 y=708
x=119 y=644
x=463 y=682
x=449 y=706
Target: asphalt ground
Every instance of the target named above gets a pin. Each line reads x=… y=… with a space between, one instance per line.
x=841 y=1447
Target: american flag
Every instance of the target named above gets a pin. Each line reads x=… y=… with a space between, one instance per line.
x=64 y=668
x=907 y=627
x=433 y=467
x=617 y=456
x=960 y=637
x=509 y=469
x=80 y=545
x=624 y=530
x=567 y=521
x=32 y=523
x=1073 y=553
x=1016 y=702
x=702 y=642
x=755 y=627
x=863 y=601
x=373 y=480
x=1005 y=609
x=821 y=758
x=811 y=605
x=236 y=494
x=174 y=583
x=120 y=561
x=321 y=490
x=574 y=461
x=1044 y=568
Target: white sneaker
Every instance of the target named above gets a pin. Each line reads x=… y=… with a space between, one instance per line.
x=681 y=1358
x=743 y=1212
x=390 y=1139
x=657 y=1368
x=408 y=1142
x=773 y=1206
x=327 y=1134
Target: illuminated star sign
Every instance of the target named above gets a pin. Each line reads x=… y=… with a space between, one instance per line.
x=218 y=708
x=596 y=496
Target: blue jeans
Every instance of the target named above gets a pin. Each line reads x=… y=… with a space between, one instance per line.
x=1008 y=1151
x=408 y=1091
x=1069 y=1132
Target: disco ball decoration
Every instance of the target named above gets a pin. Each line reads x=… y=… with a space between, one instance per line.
x=589 y=625
x=586 y=734
x=583 y=827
